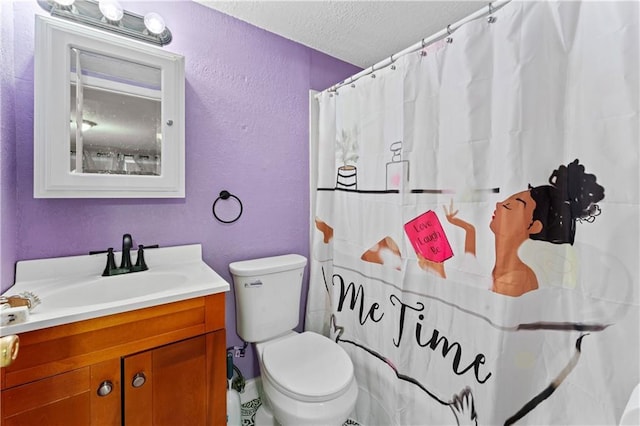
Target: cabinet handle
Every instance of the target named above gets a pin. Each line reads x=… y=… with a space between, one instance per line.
x=138 y=380
x=105 y=388
x=8 y=350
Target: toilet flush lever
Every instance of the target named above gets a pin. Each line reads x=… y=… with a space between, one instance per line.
x=256 y=283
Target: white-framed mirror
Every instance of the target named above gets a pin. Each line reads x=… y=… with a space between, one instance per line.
x=108 y=115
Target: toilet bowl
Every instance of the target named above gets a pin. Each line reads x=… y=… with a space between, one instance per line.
x=307 y=379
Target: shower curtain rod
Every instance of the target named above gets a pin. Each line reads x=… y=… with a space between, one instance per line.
x=485 y=11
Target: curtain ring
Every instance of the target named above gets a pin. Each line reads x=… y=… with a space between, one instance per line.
x=449 y=29
x=491 y=19
x=449 y=39
x=422 y=51
x=224 y=195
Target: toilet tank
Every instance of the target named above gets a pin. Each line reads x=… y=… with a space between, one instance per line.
x=267 y=294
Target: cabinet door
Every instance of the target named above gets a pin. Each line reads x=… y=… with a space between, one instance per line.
x=67 y=399
x=175 y=384
x=106 y=401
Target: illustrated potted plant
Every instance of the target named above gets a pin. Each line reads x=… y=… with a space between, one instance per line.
x=347 y=155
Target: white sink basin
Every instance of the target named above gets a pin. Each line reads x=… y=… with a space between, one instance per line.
x=72 y=288
x=112 y=289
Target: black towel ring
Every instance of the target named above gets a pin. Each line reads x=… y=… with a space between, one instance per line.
x=224 y=195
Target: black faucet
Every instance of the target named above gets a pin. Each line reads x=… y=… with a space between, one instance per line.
x=126 y=266
x=127 y=243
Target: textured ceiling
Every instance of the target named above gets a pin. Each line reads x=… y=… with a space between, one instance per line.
x=359 y=32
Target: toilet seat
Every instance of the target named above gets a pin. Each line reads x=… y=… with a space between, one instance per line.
x=307 y=367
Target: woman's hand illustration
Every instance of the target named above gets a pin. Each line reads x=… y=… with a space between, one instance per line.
x=450 y=214
x=470 y=236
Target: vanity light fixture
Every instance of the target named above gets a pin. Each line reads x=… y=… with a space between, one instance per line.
x=86 y=124
x=154 y=23
x=109 y=15
x=111 y=10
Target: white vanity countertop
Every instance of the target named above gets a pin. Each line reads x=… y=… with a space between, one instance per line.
x=72 y=289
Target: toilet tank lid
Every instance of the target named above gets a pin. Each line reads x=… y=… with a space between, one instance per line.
x=267 y=265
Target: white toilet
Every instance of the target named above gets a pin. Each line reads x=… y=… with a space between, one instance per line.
x=307 y=379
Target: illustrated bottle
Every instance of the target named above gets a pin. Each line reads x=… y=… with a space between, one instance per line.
x=397 y=168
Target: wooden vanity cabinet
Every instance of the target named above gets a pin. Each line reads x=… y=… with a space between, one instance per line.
x=173 y=384
x=163 y=365
x=65 y=399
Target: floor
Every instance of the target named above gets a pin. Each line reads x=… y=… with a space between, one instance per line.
x=251 y=401
x=248 y=411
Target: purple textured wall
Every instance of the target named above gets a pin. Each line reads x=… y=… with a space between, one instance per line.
x=8 y=210
x=246 y=132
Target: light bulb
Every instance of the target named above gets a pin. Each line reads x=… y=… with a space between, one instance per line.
x=154 y=23
x=111 y=10
x=86 y=125
x=65 y=3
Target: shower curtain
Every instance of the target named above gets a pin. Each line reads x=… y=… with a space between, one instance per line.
x=475 y=237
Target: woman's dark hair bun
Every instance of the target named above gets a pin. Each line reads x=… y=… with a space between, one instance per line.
x=578 y=188
x=571 y=196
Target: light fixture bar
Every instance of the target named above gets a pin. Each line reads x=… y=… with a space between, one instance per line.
x=88 y=12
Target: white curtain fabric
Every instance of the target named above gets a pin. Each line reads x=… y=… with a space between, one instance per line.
x=417 y=269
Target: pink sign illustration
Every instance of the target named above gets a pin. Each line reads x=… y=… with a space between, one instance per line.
x=428 y=238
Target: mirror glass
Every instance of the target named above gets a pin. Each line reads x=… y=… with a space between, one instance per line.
x=115 y=115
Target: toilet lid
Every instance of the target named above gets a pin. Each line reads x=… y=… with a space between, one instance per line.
x=308 y=366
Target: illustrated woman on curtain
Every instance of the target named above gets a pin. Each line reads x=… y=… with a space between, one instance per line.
x=547 y=213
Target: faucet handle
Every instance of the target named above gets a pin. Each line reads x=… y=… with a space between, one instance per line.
x=94 y=252
x=111 y=263
x=140 y=263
